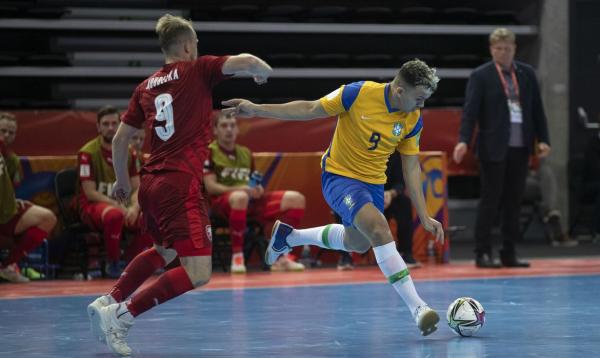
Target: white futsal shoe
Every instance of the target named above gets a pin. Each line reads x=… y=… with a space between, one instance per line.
x=426 y=319
x=278 y=244
x=93 y=310
x=115 y=326
x=286 y=263
x=237 y=263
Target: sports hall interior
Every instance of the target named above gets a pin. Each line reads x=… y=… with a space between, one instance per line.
x=62 y=60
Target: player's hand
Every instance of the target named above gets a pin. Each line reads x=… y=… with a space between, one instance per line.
x=20 y=204
x=260 y=80
x=459 y=152
x=544 y=150
x=264 y=71
x=387 y=198
x=254 y=192
x=239 y=107
x=132 y=215
x=434 y=227
x=121 y=192
x=257 y=192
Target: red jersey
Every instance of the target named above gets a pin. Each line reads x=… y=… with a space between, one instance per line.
x=177 y=101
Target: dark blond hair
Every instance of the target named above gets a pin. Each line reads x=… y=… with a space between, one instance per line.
x=502 y=34
x=172 y=30
x=417 y=73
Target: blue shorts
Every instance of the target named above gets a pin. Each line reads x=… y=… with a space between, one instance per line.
x=346 y=196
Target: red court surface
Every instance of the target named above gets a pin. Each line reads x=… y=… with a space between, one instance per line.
x=317 y=277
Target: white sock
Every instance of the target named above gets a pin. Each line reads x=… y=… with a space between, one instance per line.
x=393 y=267
x=329 y=237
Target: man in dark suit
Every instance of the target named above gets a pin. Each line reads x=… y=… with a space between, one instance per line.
x=591 y=179
x=503 y=100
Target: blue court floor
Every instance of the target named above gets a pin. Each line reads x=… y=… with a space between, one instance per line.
x=526 y=317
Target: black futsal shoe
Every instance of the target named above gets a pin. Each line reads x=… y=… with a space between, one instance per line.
x=509 y=259
x=486 y=261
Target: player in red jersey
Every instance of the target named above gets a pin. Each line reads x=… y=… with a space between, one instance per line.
x=177 y=103
x=96 y=207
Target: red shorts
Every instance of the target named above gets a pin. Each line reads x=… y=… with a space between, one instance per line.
x=266 y=208
x=8 y=228
x=91 y=215
x=175 y=212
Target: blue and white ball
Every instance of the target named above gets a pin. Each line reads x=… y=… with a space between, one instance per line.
x=465 y=316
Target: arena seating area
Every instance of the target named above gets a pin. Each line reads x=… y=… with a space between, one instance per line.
x=84 y=54
x=76 y=267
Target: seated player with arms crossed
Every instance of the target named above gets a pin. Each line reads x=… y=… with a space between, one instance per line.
x=227 y=176
x=374 y=120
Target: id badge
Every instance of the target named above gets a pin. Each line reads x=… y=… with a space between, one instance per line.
x=516 y=115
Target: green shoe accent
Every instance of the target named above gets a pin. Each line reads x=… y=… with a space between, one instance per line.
x=325 y=236
x=32 y=274
x=398 y=276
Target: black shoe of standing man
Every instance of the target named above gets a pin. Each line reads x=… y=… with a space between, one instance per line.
x=484 y=260
x=508 y=258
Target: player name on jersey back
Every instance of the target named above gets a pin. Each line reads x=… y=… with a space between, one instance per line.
x=157 y=81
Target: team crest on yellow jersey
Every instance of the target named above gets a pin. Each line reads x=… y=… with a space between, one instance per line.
x=397 y=129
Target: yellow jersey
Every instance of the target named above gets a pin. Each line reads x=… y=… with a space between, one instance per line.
x=367 y=132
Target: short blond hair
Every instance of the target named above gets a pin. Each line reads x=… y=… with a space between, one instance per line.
x=171 y=30
x=502 y=34
x=417 y=73
x=8 y=116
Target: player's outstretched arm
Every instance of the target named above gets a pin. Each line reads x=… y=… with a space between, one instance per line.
x=295 y=110
x=120 y=152
x=412 y=176
x=246 y=63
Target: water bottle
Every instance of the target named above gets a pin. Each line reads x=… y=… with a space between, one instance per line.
x=255 y=179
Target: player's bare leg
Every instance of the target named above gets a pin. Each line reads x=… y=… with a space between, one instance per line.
x=355 y=241
x=372 y=230
x=36 y=216
x=373 y=225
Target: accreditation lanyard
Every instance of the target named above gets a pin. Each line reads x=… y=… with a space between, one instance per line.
x=514 y=105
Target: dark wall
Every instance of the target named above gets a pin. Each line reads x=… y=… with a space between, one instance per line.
x=585 y=70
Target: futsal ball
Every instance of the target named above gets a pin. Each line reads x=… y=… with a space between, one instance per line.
x=465 y=316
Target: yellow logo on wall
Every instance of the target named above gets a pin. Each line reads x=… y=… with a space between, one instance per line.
x=434 y=189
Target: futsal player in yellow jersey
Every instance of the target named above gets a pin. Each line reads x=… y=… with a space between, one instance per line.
x=374 y=120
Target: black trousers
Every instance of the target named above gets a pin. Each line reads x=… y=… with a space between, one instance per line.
x=591 y=191
x=401 y=210
x=502 y=187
